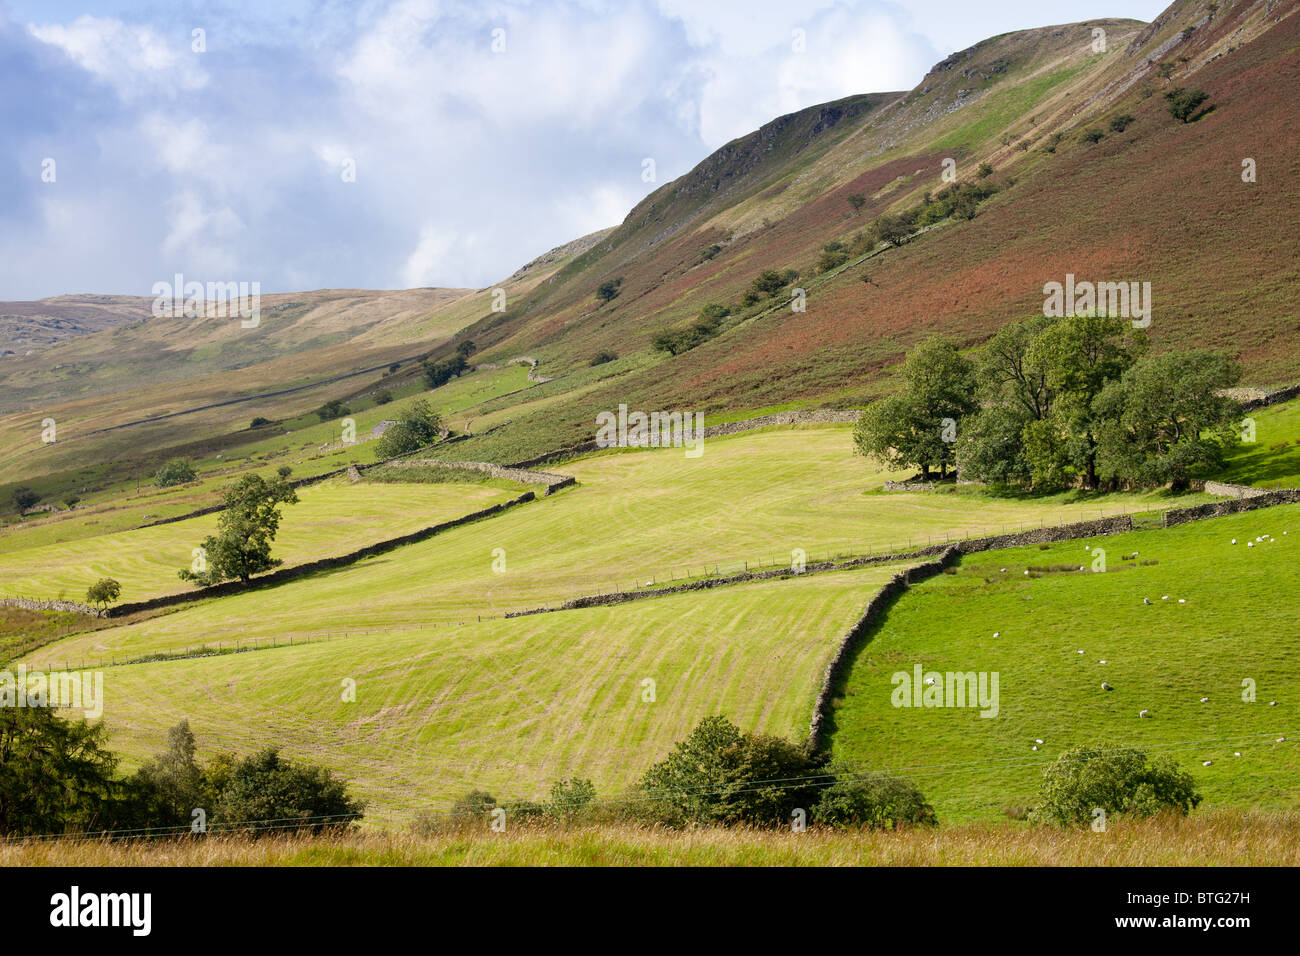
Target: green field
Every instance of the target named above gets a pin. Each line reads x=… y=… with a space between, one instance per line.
x=635 y=517
x=510 y=705
x=332 y=517
x=1240 y=620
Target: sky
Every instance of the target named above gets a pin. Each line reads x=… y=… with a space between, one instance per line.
x=309 y=144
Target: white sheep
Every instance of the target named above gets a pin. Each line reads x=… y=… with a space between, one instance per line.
x=1105 y=686
x=1182 y=600
x=1281 y=740
x=1272 y=703
x=1081 y=651
x=1146 y=600
x=997 y=633
x=1236 y=753
x=1234 y=540
x=1144 y=713
x=1205 y=700
x=1101 y=662
x=1035 y=747
x=1206 y=763
x=1038 y=740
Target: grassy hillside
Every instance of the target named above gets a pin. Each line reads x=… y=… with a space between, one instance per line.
x=1238 y=622
x=634 y=517
x=330 y=518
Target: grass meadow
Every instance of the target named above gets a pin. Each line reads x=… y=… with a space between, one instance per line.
x=1239 y=622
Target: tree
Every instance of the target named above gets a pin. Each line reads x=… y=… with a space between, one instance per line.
x=258 y=422
x=857 y=201
x=178 y=471
x=916 y=427
x=1165 y=419
x=1120 y=781
x=383 y=396
x=71 y=501
x=466 y=349
x=103 y=592
x=24 y=498
x=876 y=801
x=984 y=171
x=418 y=427
x=608 y=290
x=166 y=790
x=56 y=776
x=1183 y=103
x=267 y=793
x=245 y=530
x=720 y=775
x=284 y=471
x=1080 y=355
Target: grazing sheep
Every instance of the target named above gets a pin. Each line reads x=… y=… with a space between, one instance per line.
x=1080 y=651
x=1281 y=740
x=1105 y=686
x=1035 y=747
x=997 y=633
x=1101 y=662
x=1206 y=763
x=929 y=682
x=1146 y=600
x=1236 y=753
x=1144 y=713
x=1234 y=540
x=1038 y=740
x=1164 y=597
x=1272 y=703
x=1182 y=600
x=1249 y=544
x=1205 y=700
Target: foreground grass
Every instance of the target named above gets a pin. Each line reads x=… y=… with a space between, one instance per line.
x=1222 y=838
x=1238 y=623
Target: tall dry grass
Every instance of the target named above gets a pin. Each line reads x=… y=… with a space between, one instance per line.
x=1218 y=838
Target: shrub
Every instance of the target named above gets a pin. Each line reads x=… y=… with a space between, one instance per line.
x=1093 y=135
x=857 y=201
x=178 y=471
x=1120 y=781
x=712 y=251
x=1053 y=141
x=258 y=422
x=720 y=775
x=984 y=171
x=876 y=801
x=608 y=290
x=1184 y=102
x=267 y=793
x=570 y=798
x=103 y=592
x=602 y=358
x=284 y=471
x=419 y=427
x=71 y=501
x=383 y=397
x=1120 y=123
x=832 y=256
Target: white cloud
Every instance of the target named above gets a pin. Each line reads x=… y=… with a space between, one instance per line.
x=135 y=60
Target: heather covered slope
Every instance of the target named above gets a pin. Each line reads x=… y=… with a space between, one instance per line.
x=1161 y=201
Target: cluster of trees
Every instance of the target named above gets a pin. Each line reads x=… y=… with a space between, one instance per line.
x=437 y=374
x=24 y=499
x=676 y=341
x=334 y=408
x=58 y=777
x=420 y=425
x=1055 y=402
x=245 y=529
x=959 y=199
x=1184 y=104
x=178 y=471
x=768 y=284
